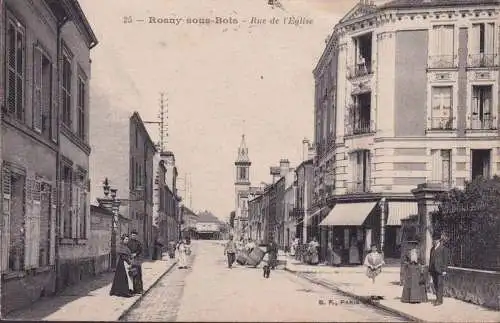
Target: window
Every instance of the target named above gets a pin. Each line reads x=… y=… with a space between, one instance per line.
x=66 y=89
x=242 y=173
x=17 y=214
x=360 y=115
x=15 y=79
x=362 y=56
x=482 y=107
x=81 y=108
x=442 y=47
x=67 y=202
x=481 y=161
x=482 y=45
x=361 y=171
x=442 y=103
x=441 y=166
x=42 y=93
x=45 y=225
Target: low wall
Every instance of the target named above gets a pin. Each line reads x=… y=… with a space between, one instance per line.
x=22 y=290
x=73 y=271
x=475 y=286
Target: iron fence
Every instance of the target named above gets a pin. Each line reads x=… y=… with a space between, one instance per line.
x=473 y=240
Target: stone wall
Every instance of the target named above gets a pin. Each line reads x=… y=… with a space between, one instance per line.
x=20 y=292
x=475 y=286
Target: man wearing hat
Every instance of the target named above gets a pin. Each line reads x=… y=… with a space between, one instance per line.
x=136 y=249
x=438 y=265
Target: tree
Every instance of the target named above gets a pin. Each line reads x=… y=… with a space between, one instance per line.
x=231 y=219
x=471 y=220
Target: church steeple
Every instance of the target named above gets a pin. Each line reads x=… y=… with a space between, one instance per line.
x=243 y=153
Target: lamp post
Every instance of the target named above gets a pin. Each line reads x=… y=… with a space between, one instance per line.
x=111 y=203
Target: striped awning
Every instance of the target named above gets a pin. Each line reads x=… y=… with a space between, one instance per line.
x=400 y=210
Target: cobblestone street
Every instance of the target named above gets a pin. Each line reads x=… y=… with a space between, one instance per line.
x=209 y=291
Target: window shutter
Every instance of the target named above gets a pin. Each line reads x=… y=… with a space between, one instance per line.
x=63 y=209
x=474 y=38
x=6 y=192
x=28 y=224
x=52 y=223
x=54 y=119
x=489 y=39
x=37 y=91
x=74 y=210
x=37 y=191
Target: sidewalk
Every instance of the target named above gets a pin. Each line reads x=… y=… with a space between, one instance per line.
x=90 y=301
x=353 y=282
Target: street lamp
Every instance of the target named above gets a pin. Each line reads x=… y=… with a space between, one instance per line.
x=114 y=204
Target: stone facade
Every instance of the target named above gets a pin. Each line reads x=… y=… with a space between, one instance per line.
x=38 y=139
x=389 y=117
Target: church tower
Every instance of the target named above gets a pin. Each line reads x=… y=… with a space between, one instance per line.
x=242 y=187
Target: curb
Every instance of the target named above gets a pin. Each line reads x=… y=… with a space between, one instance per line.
x=128 y=309
x=361 y=299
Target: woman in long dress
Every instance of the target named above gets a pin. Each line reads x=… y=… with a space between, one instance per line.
x=181 y=254
x=313 y=251
x=374 y=262
x=337 y=254
x=414 y=280
x=122 y=282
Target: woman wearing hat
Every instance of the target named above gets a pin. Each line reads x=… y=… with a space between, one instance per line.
x=414 y=280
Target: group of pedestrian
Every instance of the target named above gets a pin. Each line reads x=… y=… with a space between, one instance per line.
x=128 y=275
x=247 y=246
x=416 y=276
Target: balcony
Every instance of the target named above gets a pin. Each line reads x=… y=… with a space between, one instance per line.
x=359 y=70
x=442 y=61
x=482 y=60
x=360 y=127
x=445 y=184
x=441 y=123
x=484 y=122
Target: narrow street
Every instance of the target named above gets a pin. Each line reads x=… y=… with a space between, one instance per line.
x=209 y=291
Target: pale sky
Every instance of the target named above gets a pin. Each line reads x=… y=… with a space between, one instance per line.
x=216 y=76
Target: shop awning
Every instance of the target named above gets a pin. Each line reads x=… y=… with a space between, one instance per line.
x=399 y=211
x=349 y=214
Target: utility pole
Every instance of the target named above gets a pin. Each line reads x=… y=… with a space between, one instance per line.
x=162 y=123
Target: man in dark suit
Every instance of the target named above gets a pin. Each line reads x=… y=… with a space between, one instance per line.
x=136 y=249
x=438 y=265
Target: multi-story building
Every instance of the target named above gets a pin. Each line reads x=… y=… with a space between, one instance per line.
x=45 y=147
x=166 y=200
x=128 y=165
x=188 y=223
x=406 y=93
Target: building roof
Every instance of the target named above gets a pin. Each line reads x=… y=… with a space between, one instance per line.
x=396 y=4
x=243 y=152
x=207 y=216
x=71 y=10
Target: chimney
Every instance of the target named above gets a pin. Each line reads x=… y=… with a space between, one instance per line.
x=305 y=149
x=284 y=167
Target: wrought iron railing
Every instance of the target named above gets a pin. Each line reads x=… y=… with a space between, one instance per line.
x=441 y=123
x=359 y=70
x=482 y=60
x=360 y=127
x=484 y=122
x=442 y=61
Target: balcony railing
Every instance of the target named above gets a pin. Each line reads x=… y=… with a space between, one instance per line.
x=359 y=187
x=482 y=60
x=359 y=70
x=441 y=123
x=442 y=61
x=360 y=127
x=483 y=123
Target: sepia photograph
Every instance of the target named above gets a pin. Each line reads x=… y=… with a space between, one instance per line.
x=250 y=160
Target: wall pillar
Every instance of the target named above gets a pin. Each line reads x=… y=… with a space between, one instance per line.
x=426 y=200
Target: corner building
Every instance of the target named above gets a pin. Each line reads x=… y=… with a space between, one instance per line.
x=406 y=93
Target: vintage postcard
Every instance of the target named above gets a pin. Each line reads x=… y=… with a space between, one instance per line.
x=250 y=160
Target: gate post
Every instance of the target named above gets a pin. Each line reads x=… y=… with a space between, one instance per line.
x=425 y=195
